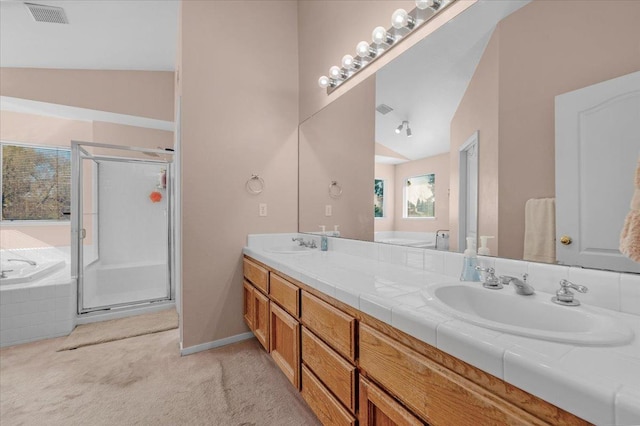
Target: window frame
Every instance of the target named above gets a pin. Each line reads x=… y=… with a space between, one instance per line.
x=405 y=213
x=384 y=199
x=26 y=222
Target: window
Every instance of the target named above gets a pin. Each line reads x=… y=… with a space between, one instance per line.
x=36 y=182
x=378 y=198
x=419 y=196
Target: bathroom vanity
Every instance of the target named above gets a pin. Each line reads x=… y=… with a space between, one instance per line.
x=360 y=358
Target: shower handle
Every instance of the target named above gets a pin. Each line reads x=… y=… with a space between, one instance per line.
x=83 y=234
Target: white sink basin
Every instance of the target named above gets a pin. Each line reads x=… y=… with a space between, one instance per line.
x=531 y=316
x=289 y=250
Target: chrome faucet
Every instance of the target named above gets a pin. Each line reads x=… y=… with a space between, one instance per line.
x=490 y=280
x=564 y=296
x=30 y=262
x=521 y=285
x=301 y=242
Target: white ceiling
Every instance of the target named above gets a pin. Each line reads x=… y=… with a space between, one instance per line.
x=101 y=34
x=425 y=84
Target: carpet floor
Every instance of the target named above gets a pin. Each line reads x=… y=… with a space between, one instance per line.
x=144 y=381
x=122 y=328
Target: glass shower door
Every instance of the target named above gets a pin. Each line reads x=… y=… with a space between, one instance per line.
x=123 y=231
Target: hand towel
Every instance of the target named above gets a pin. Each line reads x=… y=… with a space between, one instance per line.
x=630 y=236
x=540 y=230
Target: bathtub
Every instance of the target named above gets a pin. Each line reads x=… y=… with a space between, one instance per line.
x=36 y=302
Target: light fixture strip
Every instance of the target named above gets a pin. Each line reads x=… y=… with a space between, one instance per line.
x=418 y=17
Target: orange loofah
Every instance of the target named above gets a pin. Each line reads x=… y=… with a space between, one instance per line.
x=630 y=235
x=155 y=197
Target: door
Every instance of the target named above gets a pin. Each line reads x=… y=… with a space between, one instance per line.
x=121 y=227
x=468 y=201
x=597 y=148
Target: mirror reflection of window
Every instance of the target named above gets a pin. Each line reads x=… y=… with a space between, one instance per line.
x=378 y=198
x=419 y=196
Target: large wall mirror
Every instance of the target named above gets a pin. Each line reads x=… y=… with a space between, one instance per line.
x=517 y=120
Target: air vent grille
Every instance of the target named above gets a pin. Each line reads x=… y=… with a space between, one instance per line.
x=43 y=13
x=384 y=109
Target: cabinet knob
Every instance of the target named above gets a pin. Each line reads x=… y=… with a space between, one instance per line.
x=566 y=240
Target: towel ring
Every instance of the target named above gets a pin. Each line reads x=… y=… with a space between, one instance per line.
x=335 y=190
x=255 y=184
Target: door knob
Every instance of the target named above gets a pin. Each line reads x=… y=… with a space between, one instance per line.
x=565 y=240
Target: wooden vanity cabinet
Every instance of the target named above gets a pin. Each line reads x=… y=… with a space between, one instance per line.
x=256 y=274
x=285 y=343
x=328 y=410
x=247 y=303
x=377 y=408
x=256 y=313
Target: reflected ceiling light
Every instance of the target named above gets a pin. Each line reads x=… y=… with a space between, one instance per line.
x=425 y=4
x=404 y=125
x=399 y=128
x=401 y=19
x=409 y=133
x=402 y=24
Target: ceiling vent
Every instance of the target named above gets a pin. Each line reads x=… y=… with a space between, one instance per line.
x=384 y=109
x=51 y=14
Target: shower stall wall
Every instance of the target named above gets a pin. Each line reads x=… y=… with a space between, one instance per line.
x=121 y=226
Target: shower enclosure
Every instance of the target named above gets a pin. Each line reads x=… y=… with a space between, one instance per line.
x=121 y=225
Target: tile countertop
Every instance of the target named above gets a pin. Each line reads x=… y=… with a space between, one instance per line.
x=598 y=384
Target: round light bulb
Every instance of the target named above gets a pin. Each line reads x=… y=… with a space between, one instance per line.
x=347 y=62
x=335 y=72
x=424 y=4
x=399 y=19
x=379 y=35
x=324 y=82
x=362 y=49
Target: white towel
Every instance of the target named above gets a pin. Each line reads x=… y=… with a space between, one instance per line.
x=540 y=230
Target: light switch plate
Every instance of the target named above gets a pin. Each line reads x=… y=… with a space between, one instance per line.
x=328 y=210
x=263 y=209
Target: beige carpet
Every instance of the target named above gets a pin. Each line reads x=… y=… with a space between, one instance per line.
x=144 y=381
x=122 y=328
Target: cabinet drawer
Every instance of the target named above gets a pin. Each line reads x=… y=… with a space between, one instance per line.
x=334 y=371
x=332 y=325
x=256 y=274
x=438 y=395
x=285 y=344
x=377 y=408
x=328 y=410
x=285 y=294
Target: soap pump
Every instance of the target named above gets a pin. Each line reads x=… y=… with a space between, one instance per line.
x=469 y=271
x=336 y=232
x=324 y=241
x=484 y=250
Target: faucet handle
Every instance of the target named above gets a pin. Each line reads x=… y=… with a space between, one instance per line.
x=564 y=295
x=490 y=280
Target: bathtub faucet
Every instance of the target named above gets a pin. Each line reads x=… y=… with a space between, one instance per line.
x=3 y=273
x=30 y=262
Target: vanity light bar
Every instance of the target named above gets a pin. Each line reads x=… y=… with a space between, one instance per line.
x=402 y=23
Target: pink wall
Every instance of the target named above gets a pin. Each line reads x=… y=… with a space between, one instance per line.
x=386 y=172
x=239 y=117
x=141 y=93
x=438 y=164
x=337 y=144
x=582 y=45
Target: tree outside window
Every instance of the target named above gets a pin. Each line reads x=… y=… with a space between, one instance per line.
x=419 y=195
x=378 y=198
x=36 y=183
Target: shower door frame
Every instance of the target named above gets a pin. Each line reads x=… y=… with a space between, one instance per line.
x=78 y=154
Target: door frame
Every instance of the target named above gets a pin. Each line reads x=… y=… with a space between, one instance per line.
x=473 y=142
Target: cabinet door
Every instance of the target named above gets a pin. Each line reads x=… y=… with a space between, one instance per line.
x=261 y=318
x=248 y=304
x=379 y=409
x=285 y=343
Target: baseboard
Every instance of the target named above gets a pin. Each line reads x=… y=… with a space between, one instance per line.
x=215 y=344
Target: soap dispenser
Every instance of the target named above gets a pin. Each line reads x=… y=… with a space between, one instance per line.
x=336 y=232
x=324 y=241
x=484 y=250
x=469 y=271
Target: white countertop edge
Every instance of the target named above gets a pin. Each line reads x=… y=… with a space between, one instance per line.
x=530 y=364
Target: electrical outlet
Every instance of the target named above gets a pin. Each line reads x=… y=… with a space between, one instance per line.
x=263 y=209
x=328 y=210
